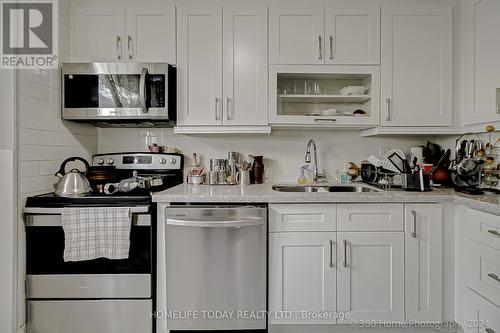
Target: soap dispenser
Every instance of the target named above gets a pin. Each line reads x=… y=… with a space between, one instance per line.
x=303 y=179
x=344 y=176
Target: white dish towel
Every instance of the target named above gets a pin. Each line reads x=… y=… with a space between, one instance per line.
x=96 y=232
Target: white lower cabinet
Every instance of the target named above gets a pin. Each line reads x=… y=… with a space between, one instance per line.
x=480 y=315
x=302 y=276
x=423 y=229
x=370 y=276
x=358 y=272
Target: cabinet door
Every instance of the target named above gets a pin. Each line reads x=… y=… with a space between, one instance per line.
x=423 y=262
x=301 y=275
x=416 y=65
x=352 y=34
x=296 y=34
x=370 y=275
x=199 y=64
x=245 y=64
x=98 y=33
x=481 y=70
x=150 y=32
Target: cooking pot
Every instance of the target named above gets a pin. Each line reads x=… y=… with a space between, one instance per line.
x=100 y=175
x=72 y=183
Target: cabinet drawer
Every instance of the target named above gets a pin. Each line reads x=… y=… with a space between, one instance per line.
x=483 y=274
x=290 y=217
x=370 y=217
x=484 y=227
x=480 y=315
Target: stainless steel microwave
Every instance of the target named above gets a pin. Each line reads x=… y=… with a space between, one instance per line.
x=119 y=94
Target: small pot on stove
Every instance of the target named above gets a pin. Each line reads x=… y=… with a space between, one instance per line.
x=100 y=175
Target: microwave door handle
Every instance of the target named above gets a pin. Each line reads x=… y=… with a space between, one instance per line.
x=142 y=90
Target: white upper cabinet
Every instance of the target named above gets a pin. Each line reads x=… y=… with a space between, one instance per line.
x=222 y=64
x=150 y=32
x=245 y=64
x=481 y=72
x=98 y=33
x=370 y=283
x=296 y=34
x=114 y=33
x=352 y=34
x=416 y=66
x=341 y=33
x=199 y=64
x=423 y=253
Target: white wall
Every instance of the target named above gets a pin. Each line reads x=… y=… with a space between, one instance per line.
x=285 y=150
x=7 y=200
x=44 y=139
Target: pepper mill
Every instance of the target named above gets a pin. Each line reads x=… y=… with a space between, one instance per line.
x=258 y=170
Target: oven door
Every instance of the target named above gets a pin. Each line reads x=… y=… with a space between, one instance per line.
x=49 y=276
x=116 y=91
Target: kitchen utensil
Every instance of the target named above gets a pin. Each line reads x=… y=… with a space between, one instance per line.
x=382 y=163
x=368 y=172
x=398 y=159
x=72 y=183
x=101 y=175
x=353 y=90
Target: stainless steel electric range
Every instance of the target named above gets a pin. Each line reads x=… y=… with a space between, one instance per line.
x=101 y=295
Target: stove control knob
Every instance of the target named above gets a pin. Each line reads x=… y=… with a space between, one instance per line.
x=110 y=161
x=173 y=160
x=100 y=161
x=163 y=160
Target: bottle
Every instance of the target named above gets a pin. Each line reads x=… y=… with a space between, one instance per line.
x=344 y=176
x=258 y=170
x=302 y=180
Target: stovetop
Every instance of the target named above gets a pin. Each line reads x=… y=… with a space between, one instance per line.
x=50 y=200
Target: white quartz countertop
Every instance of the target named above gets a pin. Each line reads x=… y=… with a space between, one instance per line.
x=263 y=193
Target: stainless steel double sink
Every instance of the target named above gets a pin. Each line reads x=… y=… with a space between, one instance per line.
x=352 y=188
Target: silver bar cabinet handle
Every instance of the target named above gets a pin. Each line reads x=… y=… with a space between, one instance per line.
x=227 y=108
x=494 y=277
x=325 y=119
x=320 y=56
x=331 y=47
x=388 y=117
x=118 y=48
x=129 y=47
x=331 y=253
x=494 y=232
x=414 y=232
x=217 y=109
x=345 y=253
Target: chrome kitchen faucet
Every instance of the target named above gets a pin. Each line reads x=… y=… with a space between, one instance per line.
x=317 y=176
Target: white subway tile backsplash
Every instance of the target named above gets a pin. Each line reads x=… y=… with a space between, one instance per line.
x=37 y=121
x=284 y=150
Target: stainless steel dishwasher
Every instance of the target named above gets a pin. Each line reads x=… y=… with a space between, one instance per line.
x=212 y=261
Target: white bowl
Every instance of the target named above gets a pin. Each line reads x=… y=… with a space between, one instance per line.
x=353 y=90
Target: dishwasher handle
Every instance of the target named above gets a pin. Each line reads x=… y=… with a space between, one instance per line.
x=216 y=223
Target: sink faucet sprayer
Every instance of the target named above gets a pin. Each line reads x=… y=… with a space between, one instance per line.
x=317 y=176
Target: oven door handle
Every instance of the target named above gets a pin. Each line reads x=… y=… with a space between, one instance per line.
x=142 y=90
x=216 y=223
x=58 y=211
